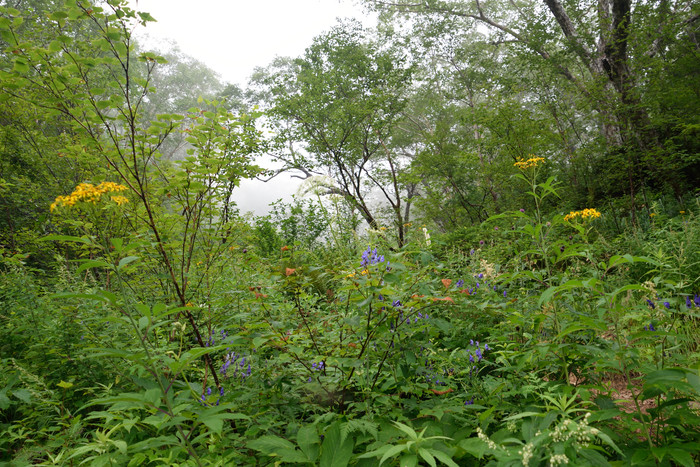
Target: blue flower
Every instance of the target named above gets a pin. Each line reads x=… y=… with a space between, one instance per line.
x=370 y=256
x=696 y=300
x=688 y=303
x=667 y=305
x=651 y=304
x=460 y=283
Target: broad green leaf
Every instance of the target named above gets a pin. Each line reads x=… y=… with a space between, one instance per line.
x=124 y=261
x=309 y=441
x=93 y=263
x=474 y=446
x=269 y=444
x=334 y=452
x=444 y=458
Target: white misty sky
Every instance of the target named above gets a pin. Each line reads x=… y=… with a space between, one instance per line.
x=233 y=37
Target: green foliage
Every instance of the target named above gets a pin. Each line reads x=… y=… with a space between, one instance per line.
x=153 y=325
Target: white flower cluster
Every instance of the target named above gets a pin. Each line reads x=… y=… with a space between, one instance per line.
x=427 y=236
x=526 y=453
x=482 y=436
x=580 y=432
x=558 y=459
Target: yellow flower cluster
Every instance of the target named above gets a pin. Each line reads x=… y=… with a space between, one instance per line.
x=585 y=214
x=531 y=162
x=120 y=200
x=90 y=194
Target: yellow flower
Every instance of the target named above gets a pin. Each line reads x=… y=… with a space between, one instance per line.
x=531 y=162
x=120 y=200
x=89 y=193
x=585 y=214
x=652 y=214
x=682 y=212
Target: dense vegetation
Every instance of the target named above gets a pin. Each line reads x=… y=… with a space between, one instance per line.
x=495 y=261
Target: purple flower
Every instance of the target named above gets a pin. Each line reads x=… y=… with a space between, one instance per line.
x=651 y=304
x=480 y=276
x=696 y=300
x=651 y=327
x=667 y=305
x=470 y=402
x=486 y=347
x=471 y=252
x=370 y=256
x=495 y=228
x=688 y=303
x=397 y=303
x=522 y=210
x=481 y=242
x=460 y=283
x=471 y=358
x=505 y=293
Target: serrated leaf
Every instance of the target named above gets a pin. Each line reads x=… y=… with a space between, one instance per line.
x=681 y=456
x=406 y=429
x=392 y=451
x=425 y=454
